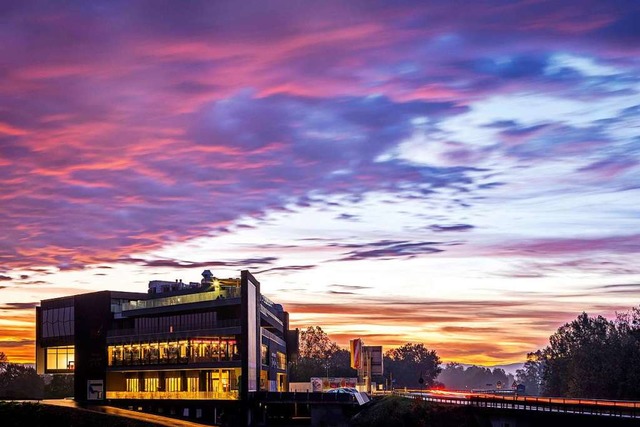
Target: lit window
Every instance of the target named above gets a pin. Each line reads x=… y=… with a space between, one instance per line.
x=60 y=358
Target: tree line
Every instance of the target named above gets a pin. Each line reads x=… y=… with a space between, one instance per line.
x=319 y=356
x=590 y=357
x=456 y=377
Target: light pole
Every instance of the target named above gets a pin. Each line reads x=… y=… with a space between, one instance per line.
x=421 y=382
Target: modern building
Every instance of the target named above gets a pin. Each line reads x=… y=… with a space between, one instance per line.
x=213 y=340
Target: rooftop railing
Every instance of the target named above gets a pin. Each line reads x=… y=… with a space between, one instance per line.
x=223 y=293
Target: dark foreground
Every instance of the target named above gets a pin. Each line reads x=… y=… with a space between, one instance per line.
x=21 y=414
x=400 y=412
x=392 y=411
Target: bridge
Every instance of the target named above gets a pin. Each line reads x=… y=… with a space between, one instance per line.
x=513 y=410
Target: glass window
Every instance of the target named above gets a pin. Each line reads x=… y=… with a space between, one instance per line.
x=60 y=358
x=151 y=384
x=282 y=361
x=133 y=384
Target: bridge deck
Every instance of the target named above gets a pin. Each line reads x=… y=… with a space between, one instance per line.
x=611 y=408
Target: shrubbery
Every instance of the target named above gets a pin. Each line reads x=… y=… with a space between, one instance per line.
x=398 y=411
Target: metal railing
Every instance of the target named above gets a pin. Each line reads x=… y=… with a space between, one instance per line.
x=618 y=408
x=224 y=293
x=268 y=313
x=273 y=337
x=140 y=332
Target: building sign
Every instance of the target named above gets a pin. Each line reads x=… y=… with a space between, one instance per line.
x=95 y=389
x=355 y=347
x=321 y=384
x=376 y=360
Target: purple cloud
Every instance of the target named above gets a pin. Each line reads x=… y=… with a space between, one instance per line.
x=288 y=268
x=387 y=249
x=629 y=244
x=172 y=263
x=19 y=305
x=455 y=227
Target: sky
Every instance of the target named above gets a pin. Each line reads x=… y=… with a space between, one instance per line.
x=460 y=174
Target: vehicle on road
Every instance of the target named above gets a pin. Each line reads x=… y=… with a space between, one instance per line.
x=345 y=390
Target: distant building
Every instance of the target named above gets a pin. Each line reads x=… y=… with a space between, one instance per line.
x=216 y=340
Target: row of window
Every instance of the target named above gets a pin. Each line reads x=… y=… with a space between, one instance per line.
x=181 y=322
x=57 y=322
x=174 y=352
x=217 y=380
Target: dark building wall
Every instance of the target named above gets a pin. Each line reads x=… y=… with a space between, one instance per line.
x=93 y=319
x=39 y=349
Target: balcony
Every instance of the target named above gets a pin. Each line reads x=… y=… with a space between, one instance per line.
x=222 y=294
x=273 y=337
x=173 y=395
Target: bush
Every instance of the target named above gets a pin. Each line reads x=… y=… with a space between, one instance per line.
x=402 y=412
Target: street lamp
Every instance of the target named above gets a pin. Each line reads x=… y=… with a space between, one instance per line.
x=421 y=382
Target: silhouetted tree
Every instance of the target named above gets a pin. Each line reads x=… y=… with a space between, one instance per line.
x=628 y=327
x=454 y=376
x=531 y=373
x=580 y=360
x=61 y=386
x=19 y=381
x=591 y=357
x=406 y=363
x=319 y=356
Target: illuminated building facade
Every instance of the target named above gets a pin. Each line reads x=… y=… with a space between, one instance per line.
x=217 y=339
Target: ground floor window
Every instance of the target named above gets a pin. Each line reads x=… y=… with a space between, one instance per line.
x=133 y=384
x=171 y=384
x=60 y=358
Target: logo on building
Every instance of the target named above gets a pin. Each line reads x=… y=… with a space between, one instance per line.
x=95 y=389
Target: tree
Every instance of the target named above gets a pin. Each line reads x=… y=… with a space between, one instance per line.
x=319 y=356
x=628 y=327
x=410 y=362
x=590 y=357
x=531 y=373
x=315 y=343
x=61 y=386
x=456 y=377
x=18 y=381
x=581 y=359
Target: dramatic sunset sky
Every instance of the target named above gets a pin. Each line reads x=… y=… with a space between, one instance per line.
x=464 y=174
